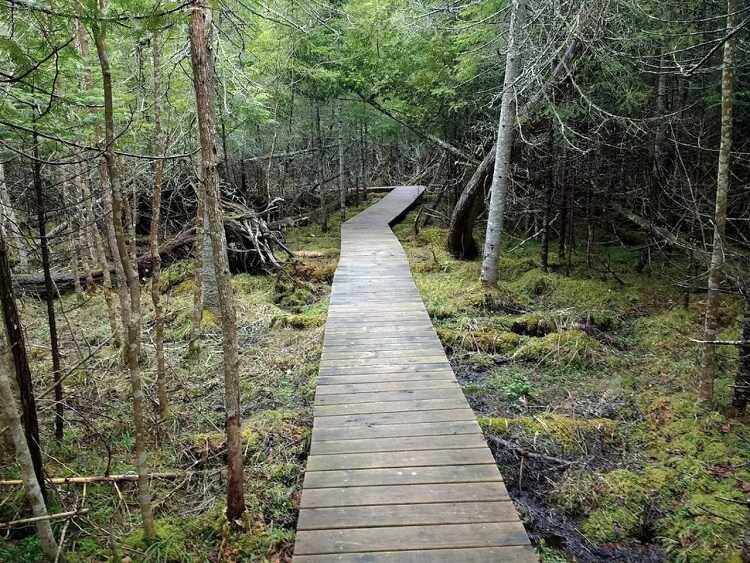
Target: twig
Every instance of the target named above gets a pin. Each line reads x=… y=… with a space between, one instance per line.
x=34 y=519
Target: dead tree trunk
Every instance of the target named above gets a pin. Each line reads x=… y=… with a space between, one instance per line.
x=711 y=325
x=49 y=296
x=503 y=148
x=203 y=82
x=153 y=246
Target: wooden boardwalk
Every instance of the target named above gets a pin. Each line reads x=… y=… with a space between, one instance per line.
x=399 y=471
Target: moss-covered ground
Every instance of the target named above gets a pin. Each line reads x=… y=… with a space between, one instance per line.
x=280 y=319
x=596 y=371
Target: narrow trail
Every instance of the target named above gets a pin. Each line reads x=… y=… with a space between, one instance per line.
x=399 y=471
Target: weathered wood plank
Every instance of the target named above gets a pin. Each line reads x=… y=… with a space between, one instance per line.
x=409 y=443
x=390 y=406
x=406 y=515
x=515 y=554
x=474 y=456
x=385 y=396
x=373 y=419
x=495 y=534
x=401 y=476
x=394 y=430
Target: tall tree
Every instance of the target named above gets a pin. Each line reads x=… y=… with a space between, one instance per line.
x=503 y=147
x=129 y=288
x=715 y=269
x=203 y=83
x=153 y=242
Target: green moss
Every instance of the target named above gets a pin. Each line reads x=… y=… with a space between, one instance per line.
x=311 y=317
x=534 y=324
x=572 y=348
x=27 y=549
x=479 y=339
x=570 y=435
x=169 y=544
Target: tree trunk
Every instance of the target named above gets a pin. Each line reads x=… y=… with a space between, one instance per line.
x=461 y=243
x=203 y=82
x=741 y=395
x=10 y=325
x=208 y=276
x=196 y=318
x=504 y=147
x=711 y=325
x=153 y=243
x=49 y=291
x=549 y=181
x=319 y=170
x=342 y=185
x=460 y=232
x=99 y=241
x=9 y=226
x=12 y=422
x=128 y=281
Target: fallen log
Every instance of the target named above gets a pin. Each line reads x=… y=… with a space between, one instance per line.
x=251 y=240
x=95 y=479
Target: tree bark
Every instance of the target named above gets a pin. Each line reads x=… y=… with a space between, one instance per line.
x=342 y=185
x=128 y=281
x=503 y=148
x=9 y=226
x=741 y=395
x=49 y=288
x=711 y=324
x=10 y=325
x=196 y=318
x=158 y=167
x=12 y=421
x=319 y=169
x=203 y=82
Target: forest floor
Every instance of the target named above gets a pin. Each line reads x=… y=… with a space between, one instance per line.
x=594 y=371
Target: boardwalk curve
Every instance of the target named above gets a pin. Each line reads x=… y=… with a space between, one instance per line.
x=399 y=471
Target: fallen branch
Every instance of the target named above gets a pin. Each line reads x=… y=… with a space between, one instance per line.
x=526 y=453
x=25 y=521
x=94 y=479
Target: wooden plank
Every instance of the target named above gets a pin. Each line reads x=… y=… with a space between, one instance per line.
x=515 y=554
x=406 y=515
x=352 y=388
x=401 y=476
x=449 y=536
x=390 y=406
x=403 y=494
x=385 y=396
x=409 y=443
x=474 y=456
x=443 y=374
x=374 y=419
x=394 y=430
